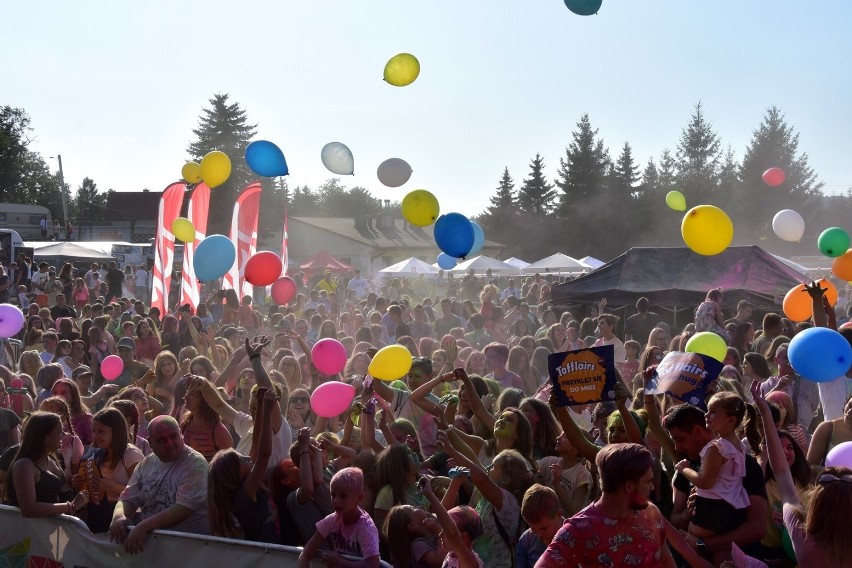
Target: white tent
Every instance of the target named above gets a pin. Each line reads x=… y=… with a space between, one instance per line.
x=410 y=267
x=592 y=262
x=557 y=264
x=794 y=265
x=480 y=264
x=517 y=262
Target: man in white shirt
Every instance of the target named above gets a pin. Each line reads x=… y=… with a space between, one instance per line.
x=142 y=284
x=511 y=290
x=606 y=325
x=40 y=279
x=359 y=285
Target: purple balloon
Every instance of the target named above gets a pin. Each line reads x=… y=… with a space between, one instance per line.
x=11 y=321
x=840 y=456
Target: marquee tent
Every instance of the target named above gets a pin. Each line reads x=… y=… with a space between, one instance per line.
x=677 y=278
x=557 y=264
x=410 y=267
x=69 y=251
x=517 y=262
x=480 y=264
x=323 y=261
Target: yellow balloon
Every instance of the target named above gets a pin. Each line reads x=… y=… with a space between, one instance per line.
x=708 y=343
x=675 y=200
x=707 y=230
x=215 y=168
x=390 y=363
x=402 y=70
x=183 y=229
x=191 y=172
x=420 y=208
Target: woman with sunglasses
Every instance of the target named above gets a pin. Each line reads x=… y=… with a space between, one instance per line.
x=820 y=535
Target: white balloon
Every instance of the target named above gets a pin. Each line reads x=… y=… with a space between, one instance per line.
x=788 y=225
x=394 y=172
x=337 y=158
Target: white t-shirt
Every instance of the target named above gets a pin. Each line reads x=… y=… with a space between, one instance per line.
x=141 y=277
x=156 y=485
x=360 y=287
x=620 y=351
x=281 y=441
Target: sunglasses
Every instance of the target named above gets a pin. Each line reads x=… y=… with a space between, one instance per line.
x=828 y=478
x=299 y=399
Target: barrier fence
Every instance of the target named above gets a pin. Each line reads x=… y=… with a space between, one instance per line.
x=54 y=542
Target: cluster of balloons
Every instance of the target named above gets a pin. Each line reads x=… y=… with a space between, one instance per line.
x=214 y=257
x=401 y=70
x=263 y=268
x=111 y=367
x=833 y=242
x=390 y=363
x=11 y=321
x=798 y=305
x=773 y=177
x=820 y=354
x=183 y=229
x=788 y=225
x=676 y=200
x=584 y=7
x=394 y=172
x=707 y=230
x=338 y=159
x=458 y=237
x=266 y=159
x=708 y=343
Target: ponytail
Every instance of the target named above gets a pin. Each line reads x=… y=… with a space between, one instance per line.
x=751 y=429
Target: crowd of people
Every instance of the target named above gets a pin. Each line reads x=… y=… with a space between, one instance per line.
x=467 y=461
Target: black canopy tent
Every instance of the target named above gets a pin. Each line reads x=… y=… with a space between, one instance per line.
x=677 y=278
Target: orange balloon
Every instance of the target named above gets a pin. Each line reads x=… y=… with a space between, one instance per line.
x=842 y=266
x=798 y=305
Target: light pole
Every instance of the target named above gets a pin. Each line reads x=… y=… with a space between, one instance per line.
x=62 y=194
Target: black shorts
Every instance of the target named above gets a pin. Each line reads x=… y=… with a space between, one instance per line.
x=717 y=515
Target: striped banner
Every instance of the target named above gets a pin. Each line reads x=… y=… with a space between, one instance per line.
x=199 y=206
x=170 y=204
x=244 y=236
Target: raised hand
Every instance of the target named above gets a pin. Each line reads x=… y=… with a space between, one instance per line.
x=256 y=346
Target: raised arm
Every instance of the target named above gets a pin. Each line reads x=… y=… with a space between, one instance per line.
x=450 y=535
x=655 y=425
x=267 y=404
x=586 y=448
x=777 y=459
x=622 y=395
x=476 y=405
x=478 y=475
x=214 y=401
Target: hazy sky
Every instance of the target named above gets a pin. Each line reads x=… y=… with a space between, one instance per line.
x=116 y=87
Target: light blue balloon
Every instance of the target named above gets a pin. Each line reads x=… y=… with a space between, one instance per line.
x=338 y=159
x=266 y=159
x=454 y=234
x=820 y=354
x=446 y=262
x=478 y=239
x=213 y=258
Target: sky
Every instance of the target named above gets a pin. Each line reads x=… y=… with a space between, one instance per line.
x=116 y=87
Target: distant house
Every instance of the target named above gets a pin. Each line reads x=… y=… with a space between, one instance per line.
x=369 y=243
x=130 y=216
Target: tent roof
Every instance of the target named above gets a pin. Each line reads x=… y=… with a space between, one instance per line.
x=69 y=251
x=794 y=265
x=324 y=261
x=677 y=277
x=556 y=263
x=517 y=262
x=410 y=266
x=482 y=263
x=592 y=262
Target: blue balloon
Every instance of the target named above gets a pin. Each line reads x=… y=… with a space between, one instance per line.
x=214 y=257
x=454 y=234
x=446 y=262
x=584 y=7
x=266 y=159
x=820 y=354
x=478 y=239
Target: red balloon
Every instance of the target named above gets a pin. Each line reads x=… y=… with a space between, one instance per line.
x=263 y=268
x=283 y=290
x=774 y=177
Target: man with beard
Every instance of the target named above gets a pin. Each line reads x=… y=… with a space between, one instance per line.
x=621 y=528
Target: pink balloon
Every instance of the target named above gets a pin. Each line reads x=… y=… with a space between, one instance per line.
x=332 y=399
x=840 y=456
x=111 y=367
x=328 y=356
x=774 y=177
x=283 y=290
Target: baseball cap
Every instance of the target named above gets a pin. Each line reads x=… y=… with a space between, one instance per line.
x=126 y=342
x=80 y=371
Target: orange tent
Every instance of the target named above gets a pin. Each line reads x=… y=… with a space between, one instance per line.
x=322 y=261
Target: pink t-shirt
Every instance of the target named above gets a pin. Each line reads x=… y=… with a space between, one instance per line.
x=729 y=483
x=358 y=539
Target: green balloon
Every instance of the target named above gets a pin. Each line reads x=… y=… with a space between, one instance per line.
x=833 y=242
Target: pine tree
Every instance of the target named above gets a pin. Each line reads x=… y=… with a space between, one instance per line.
x=582 y=173
x=698 y=158
x=304 y=202
x=224 y=127
x=536 y=196
x=667 y=171
x=273 y=199
x=88 y=204
x=775 y=144
x=498 y=220
x=625 y=171
x=650 y=176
